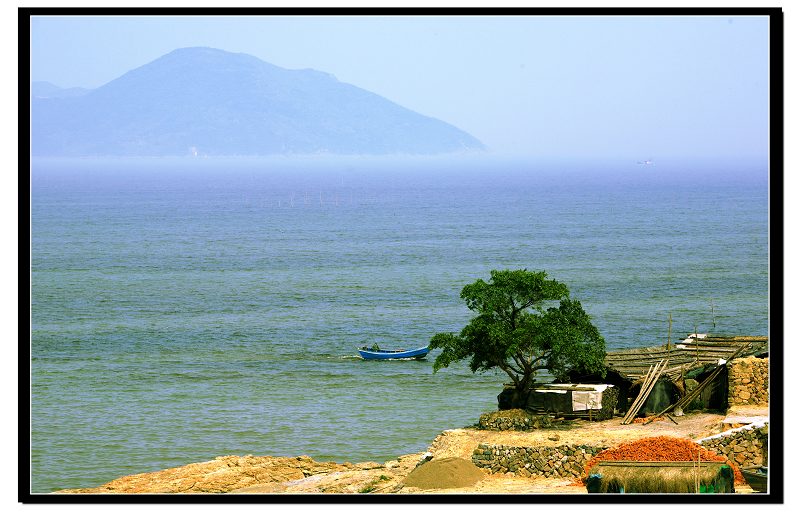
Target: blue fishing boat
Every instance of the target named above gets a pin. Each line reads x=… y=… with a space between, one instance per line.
x=376 y=353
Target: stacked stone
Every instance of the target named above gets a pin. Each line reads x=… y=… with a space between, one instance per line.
x=745 y=446
x=513 y=420
x=748 y=381
x=543 y=461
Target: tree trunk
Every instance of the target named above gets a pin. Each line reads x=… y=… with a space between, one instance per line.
x=513 y=397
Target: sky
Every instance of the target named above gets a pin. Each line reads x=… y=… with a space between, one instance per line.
x=632 y=87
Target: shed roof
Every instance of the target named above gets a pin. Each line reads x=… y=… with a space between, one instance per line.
x=684 y=355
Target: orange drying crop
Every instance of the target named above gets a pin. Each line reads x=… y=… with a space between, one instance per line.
x=661 y=449
x=642 y=420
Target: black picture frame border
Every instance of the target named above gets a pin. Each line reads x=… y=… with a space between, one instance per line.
x=776 y=261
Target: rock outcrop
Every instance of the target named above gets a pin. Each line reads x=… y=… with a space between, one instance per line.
x=223 y=474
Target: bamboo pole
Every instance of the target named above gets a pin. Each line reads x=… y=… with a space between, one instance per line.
x=738 y=338
x=638 y=396
x=640 y=365
x=669 y=333
x=697 y=474
x=660 y=352
x=715 y=348
x=713 y=318
x=722 y=346
x=647 y=387
x=732 y=339
x=645 y=392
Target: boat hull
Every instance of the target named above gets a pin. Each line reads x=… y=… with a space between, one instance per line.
x=756 y=477
x=393 y=355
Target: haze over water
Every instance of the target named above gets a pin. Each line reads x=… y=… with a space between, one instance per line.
x=184 y=309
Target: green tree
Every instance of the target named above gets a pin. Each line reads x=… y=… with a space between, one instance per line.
x=525 y=323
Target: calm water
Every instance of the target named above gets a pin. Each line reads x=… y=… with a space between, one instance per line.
x=183 y=309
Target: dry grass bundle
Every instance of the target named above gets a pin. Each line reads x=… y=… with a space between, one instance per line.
x=664 y=477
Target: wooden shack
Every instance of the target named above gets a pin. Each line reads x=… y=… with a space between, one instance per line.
x=687 y=364
x=573 y=400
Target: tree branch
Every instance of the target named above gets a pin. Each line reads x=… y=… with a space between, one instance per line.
x=542 y=357
x=511 y=373
x=519 y=360
x=512 y=318
x=505 y=365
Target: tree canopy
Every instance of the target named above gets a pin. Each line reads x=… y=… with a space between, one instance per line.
x=524 y=323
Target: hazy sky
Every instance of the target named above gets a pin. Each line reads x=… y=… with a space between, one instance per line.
x=614 y=87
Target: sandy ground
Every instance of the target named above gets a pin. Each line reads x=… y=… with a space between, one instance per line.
x=462 y=442
x=508 y=484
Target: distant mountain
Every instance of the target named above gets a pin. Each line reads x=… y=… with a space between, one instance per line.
x=43 y=89
x=211 y=102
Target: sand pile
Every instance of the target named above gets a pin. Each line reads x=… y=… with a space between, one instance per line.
x=444 y=473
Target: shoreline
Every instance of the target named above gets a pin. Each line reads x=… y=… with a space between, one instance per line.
x=303 y=475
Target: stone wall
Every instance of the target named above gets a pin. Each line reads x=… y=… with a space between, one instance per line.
x=745 y=446
x=516 y=419
x=748 y=381
x=544 y=461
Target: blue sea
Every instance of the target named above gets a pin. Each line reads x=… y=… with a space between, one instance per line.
x=184 y=309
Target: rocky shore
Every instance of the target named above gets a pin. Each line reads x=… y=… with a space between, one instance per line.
x=282 y=475
x=231 y=474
